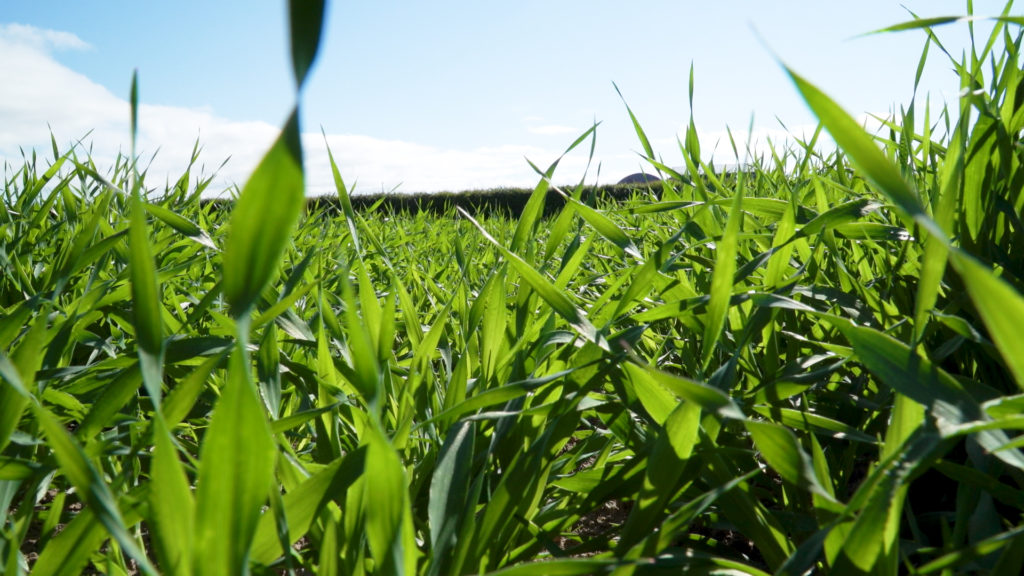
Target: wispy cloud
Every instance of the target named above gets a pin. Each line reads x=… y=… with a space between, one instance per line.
x=40 y=39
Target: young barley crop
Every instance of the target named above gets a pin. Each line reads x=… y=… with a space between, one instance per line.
x=773 y=371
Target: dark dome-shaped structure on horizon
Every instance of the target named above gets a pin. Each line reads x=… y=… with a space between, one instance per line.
x=639 y=178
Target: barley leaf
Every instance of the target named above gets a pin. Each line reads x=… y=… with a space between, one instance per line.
x=235 y=474
x=307 y=500
x=147 y=305
x=722 y=279
x=552 y=295
x=385 y=505
x=87 y=480
x=262 y=220
x=1001 y=307
x=171 y=504
x=784 y=453
x=306 y=18
x=865 y=154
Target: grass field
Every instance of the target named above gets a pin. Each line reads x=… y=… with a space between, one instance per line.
x=815 y=366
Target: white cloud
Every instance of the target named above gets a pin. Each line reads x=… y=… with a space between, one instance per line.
x=39 y=39
x=384 y=164
x=752 y=146
x=46 y=92
x=51 y=96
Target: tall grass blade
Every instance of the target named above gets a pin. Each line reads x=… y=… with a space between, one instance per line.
x=87 y=480
x=648 y=150
x=722 y=279
x=67 y=554
x=173 y=509
x=145 y=287
x=783 y=452
x=898 y=366
x=672 y=449
x=180 y=223
x=385 y=504
x=343 y=197
x=865 y=154
x=306 y=19
x=235 y=475
x=708 y=398
x=18 y=377
x=450 y=495
x=306 y=501
x=1001 y=307
x=262 y=220
x=552 y=295
x=147 y=303
x=526 y=228
x=926 y=23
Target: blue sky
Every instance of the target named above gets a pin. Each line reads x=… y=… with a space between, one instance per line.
x=449 y=95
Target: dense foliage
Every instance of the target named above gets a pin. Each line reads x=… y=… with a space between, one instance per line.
x=813 y=366
x=507 y=202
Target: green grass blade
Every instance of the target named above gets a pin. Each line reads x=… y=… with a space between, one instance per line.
x=305 y=502
x=667 y=461
x=385 y=504
x=865 y=154
x=552 y=295
x=872 y=541
x=117 y=392
x=343 y=197
x=75 y=465
x=648 y=150
x=366 y=368
x=235 y=475
x=1011 y=561
x=1001 y=308
x=147 y=310
x=783 y=452
x=180 y=223
x=170 y=501
x=924 y=23
x=182 y=397
x=493 y=344
x=531 y=213
x=708 y=398
x=147 y=303
x=18 y=377
x=561 y=567
x=262 y=220
x=964 y=556
x=67 y=554
x=450 y=495
x=746 y=512
x=306 y=19
x=901 y=368
x=268 y=370
x=133 y=101
x=843 y=214
x=607 y=228
x=722 y=279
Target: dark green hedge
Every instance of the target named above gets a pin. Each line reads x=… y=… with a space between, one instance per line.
x=507 y=202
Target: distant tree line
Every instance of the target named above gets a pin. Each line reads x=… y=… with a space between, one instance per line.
x=507 y=202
